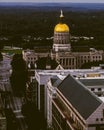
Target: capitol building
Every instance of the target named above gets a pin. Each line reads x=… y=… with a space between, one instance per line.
x=67 y=97
x=61 y=51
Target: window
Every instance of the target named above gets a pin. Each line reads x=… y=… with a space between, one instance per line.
x=99 y=89
x=63 y=61
x=66 y=61
x=99 y=95
x=72 y=61
x=60 y=61
x=92 y=89
x=103 y=112
x=97 y=119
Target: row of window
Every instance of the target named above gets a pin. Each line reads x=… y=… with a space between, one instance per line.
x=93 y=89
x=83 y=61
x=87 y=57
x=31 y=58
x=96 y=57
x=61 y=34
x=101 y=119
x=61 y=37
x=57 y=119
x=61 y=41
x=70 y=116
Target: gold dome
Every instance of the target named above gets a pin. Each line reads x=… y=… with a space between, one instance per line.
x=61 y=28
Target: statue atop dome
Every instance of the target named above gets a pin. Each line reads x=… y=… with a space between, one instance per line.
x=61 y=15
x=61 y=27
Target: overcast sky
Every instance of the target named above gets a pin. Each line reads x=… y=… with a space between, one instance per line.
x=83 y=1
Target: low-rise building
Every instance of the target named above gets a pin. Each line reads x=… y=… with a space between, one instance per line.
x=76 y=108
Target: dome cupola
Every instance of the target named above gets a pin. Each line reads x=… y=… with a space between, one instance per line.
x=61 y=27
x=61 y=36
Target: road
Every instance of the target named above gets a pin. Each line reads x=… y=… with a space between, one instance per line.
x=10 y=100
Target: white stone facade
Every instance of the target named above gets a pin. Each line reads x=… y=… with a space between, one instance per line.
x=97 y=118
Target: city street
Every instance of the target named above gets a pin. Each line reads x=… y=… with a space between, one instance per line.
x=10 y=101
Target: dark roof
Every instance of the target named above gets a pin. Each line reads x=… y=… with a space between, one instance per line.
x=92 y=82
x=84 y=101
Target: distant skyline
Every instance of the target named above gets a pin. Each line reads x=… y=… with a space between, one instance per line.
x=54 y=1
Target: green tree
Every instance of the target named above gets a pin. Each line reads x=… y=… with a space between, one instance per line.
x=90 y=64
x=19 y=74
